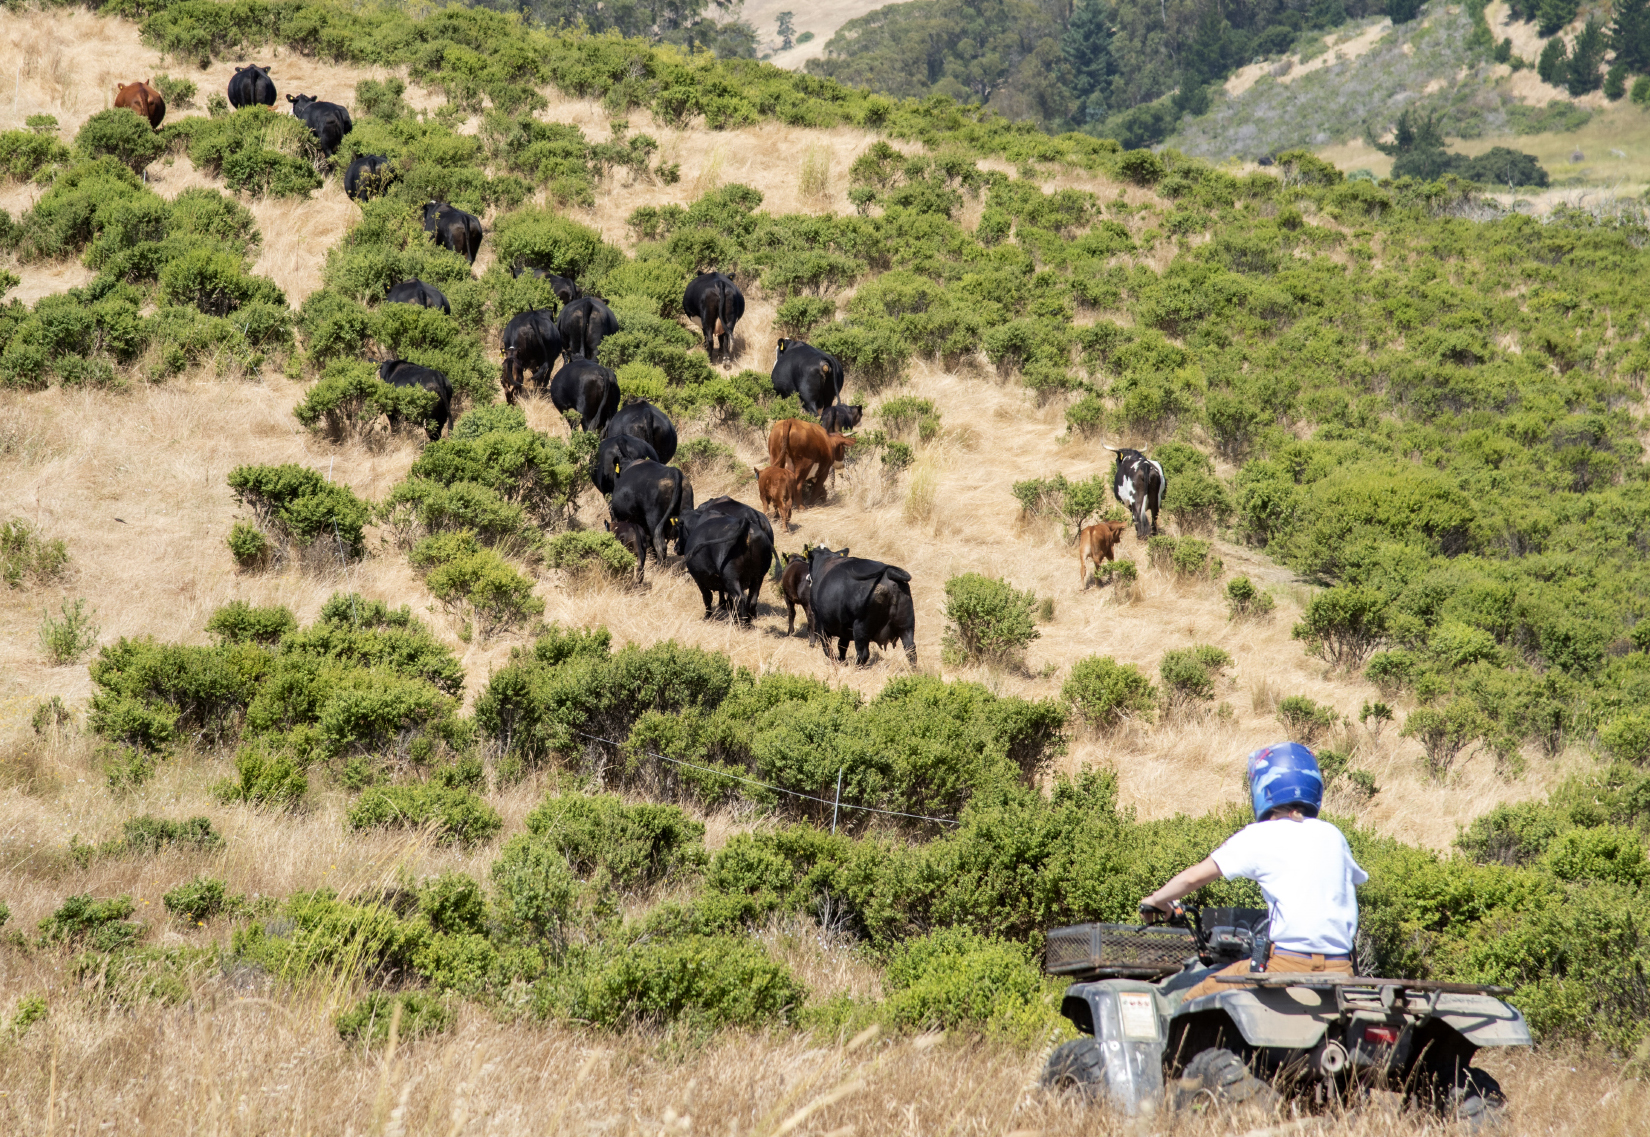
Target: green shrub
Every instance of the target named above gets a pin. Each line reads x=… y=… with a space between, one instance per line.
x=545 y=239
x=1244 y=601
x=476 y=582
x=589 y=548
x=955 y=979
x=906 y=414
x=798 y=316
x=178 y=93
x=298 y=508
x=1609 y=853
x=1189 y=674
x=1073 y=502
x=121 y=134
x=1305 y=719
x=1627 y=738
x=26 y=554
x=30 y=1010
x=27 y=155
x=239 y=622
x=1104 y=692
x=152 y=834
x=1087 y=416
x=99 y=925
x=701 y=983
x=255 y=149
x=1339 y=773
x=315 y=931
x=453 y=904
x=635 y=845
x=1444 y=731
x=248 y=545
x=350 y=399
x=1343 y=625
x=265 y=778
x=991 y=621
x=200 y=900
x=68 y=636
x=455 y=816
x=368 y=1019
x=1195 y=558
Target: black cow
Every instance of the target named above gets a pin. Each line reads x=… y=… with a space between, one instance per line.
x=616 y=452
x=1139 y=484
x=417 y=292
x=583 y=323
x=251 y=86
x=632 y=537
x=841 y=418
x=641 y=419
x=531 y=346
x=453 y=229
x=723 y=506
x=400 y=373
x=368 y=176
x=730 y=556
x=803 y=370
x=650 y=495
x=715 y=301
x=329 y=121
x=588 y=388
x=566 y=291
x=862 y=600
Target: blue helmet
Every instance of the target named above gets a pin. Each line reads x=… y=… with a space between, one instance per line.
x=1284 y=773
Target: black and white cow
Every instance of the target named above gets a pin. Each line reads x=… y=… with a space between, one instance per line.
x=1139 y=484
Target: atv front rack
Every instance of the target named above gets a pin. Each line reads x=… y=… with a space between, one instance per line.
x=1368 y=993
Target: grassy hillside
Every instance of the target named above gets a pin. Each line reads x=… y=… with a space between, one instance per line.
x=1410 y=422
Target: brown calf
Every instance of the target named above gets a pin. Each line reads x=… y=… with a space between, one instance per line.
x=777 y=486
x=794 y=584
x=144 y=99
x=808 y=452
x=1098 y=543
x=634 y=538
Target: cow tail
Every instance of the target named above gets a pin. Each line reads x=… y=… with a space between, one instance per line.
x=676 y=506
x=785 y=449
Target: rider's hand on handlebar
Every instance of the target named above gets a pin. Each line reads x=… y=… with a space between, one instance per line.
x=1152 y=914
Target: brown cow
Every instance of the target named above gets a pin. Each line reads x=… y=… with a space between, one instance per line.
x=777 y=486
x=1097 y=543
x=808 y=452
x=144 y=99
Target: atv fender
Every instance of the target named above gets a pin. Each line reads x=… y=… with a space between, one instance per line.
x=1484 y=1020
x=1129 y=1019
x=1290 y=1017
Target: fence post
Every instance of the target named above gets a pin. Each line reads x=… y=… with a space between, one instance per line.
x=836 y=805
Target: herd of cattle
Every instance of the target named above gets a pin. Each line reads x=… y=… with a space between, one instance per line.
x=726 y=546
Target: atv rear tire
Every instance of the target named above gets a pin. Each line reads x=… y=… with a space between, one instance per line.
x=1077 y=1065
x=1476 y=1101
x=1217 y=1077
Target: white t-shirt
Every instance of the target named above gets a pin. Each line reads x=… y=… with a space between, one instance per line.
x=1307 y=874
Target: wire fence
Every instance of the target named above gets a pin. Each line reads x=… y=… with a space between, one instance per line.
x=837 y=804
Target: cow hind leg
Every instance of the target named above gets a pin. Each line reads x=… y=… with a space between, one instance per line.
x=908 y=640
x=790 y=618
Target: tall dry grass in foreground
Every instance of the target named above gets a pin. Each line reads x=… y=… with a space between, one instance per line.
x=249 y=1064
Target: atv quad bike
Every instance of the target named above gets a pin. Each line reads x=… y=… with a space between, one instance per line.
x=1326 y=1036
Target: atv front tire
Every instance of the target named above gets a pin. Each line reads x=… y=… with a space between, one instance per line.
x=1217 y=1077
x=1077 y=1065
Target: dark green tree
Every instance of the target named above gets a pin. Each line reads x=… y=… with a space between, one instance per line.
x=1417 y=147
x=1551 y=15
x=1554 y=64
x=1086 y=45
x=1630 y=35
x=1615 y=82
x=787 y=31
x=1587 y=60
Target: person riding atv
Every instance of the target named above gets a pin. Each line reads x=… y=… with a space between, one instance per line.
x=1303 y=866
x=1234 y=1004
